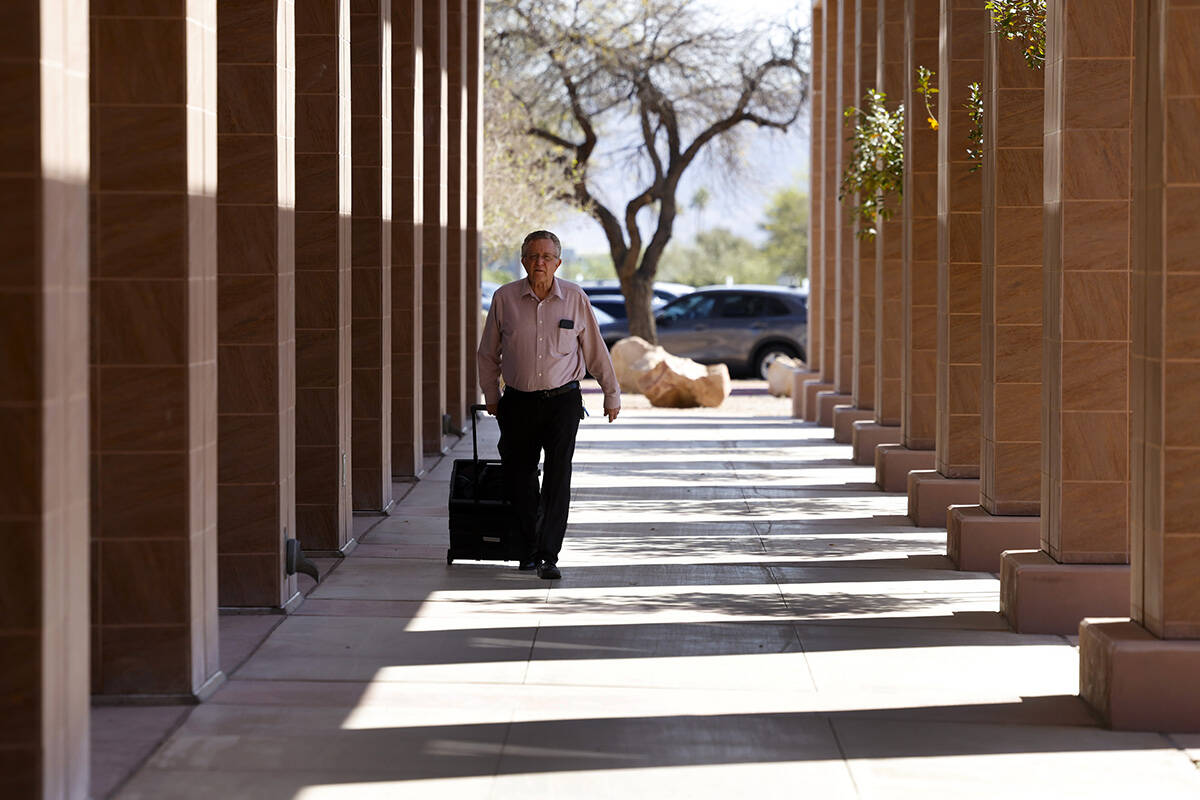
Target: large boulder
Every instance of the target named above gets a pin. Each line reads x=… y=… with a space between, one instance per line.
x=632 y=358
x=779 y=375
x=682 y=383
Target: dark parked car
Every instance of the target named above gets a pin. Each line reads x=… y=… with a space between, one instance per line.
x=610 y=286
x=614 y=304
x=745 y=327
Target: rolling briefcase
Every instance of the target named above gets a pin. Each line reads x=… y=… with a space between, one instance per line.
x=482 y=524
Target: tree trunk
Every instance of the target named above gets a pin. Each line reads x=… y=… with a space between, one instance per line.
x=638 y=291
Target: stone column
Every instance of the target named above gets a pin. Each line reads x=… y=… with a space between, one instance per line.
x=456 y=194
x=824 y=50
x=256 y=326
x=153 y=353
x=1140 y=674
x=44 y=638
x=323 y=219
x=1081 y=569
x=408 y=172
x=845 y=245
x=862 y=350
x=1010 y=461
x=435 y=151
x=919 y=282
x=474 y=189
x=371 y=255
x=964 y=27
x=884 y=428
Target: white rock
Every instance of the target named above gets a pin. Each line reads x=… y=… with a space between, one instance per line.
x=779 y=375
x=682 y=383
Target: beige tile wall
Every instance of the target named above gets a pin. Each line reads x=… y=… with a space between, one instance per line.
x=44 y=404
x=865 y=278
x=371 y=255
x=1166 y=325
x=256 y=305
x=1010 y=476
x=474 y=190
x=1089 y=73
x=435 y=151
x=889 y=251
x=816 y=229
x=832 y=128
x=408 y=175
x=919 y=393
x=964 y=25
x=153 y=359
x=846 y=253
x=323 y=278
x=456 y=194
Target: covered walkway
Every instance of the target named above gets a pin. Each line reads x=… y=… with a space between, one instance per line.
x=742 y=613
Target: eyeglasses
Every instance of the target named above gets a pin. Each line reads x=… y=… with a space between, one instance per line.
x=539 y=257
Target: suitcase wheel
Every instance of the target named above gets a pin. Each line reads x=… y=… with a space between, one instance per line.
x=449 y=556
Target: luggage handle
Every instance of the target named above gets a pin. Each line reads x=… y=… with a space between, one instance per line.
x=475 y=409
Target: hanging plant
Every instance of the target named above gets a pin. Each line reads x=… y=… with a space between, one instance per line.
x=974 y=106
x=1023 y=21
x=927 y=89
x=875 y=169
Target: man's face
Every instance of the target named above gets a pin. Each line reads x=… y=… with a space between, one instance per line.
x=540 y=260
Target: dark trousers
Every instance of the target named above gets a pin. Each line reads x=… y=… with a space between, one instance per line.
x=529 y=424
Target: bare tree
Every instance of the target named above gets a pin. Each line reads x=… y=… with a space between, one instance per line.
x=650 y=84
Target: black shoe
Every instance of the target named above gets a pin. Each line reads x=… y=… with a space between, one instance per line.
x=528 y=565
x=548 y=571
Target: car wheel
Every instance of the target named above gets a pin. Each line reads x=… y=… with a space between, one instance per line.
x=767 y=354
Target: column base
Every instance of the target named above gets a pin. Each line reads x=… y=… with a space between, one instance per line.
x=1040 y=595
x=893 y=462
x=844 y=418
x=866 y=436
x=799 y=378
x=930 y=494
x=826 y=402
x=811 y=389
x=1136 y=681
x=975 y=539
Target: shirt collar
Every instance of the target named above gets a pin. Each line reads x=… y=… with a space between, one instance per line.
x=555 y=289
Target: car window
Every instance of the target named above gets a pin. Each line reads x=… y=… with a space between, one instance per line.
x=776 y=307
x=693 y=306
x=743 y=305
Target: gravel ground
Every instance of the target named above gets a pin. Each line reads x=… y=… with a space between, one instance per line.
x=748 y=398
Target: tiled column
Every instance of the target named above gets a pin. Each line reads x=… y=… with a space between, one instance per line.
x=371 y=255
x=807 y=386
x=1010 y=458
x=919 y=282
x=154 y=354
x=44 y=401
x=474 y=189
x=323 y=152
x=845 y=248
x=435 y=147
x=256 y=331
x=964 y=26
x=1081 y=568
x=1140 y=674
x=862 y=350
x=408 y=171
x=884 y=428
x=456 y=195
x=825 y=130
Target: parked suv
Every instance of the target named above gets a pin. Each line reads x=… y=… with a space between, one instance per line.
x=744 y=327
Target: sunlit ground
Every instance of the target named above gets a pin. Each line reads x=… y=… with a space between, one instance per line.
x=741 y=615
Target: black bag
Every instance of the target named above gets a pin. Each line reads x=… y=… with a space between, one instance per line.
x=482 y=523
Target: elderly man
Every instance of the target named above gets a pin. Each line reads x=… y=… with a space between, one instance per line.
x=542 y=337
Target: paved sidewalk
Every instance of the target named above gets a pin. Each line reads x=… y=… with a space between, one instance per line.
x=742 y=614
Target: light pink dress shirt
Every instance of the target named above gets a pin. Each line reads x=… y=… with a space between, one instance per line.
x=524 y=341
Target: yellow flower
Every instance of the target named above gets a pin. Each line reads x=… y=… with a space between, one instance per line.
x=932 y=123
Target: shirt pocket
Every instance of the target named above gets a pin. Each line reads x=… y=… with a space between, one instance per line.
x=564 y=343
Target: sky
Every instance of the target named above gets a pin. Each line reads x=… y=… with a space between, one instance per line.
x=773 y=160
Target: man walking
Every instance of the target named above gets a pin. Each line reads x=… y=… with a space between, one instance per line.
x=542 y=337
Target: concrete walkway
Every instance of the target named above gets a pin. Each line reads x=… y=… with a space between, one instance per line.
x=741 y=614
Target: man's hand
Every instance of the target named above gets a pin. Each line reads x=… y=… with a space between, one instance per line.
x=611 y=413
x=492 y=408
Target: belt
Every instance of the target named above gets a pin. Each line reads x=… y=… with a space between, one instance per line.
x=566 y=387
